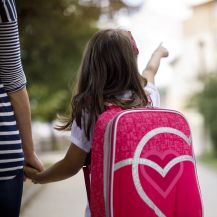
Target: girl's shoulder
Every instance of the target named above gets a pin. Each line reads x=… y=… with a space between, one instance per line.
x=78 y=136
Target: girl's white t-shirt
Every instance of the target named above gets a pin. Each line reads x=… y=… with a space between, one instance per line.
x=79 y=139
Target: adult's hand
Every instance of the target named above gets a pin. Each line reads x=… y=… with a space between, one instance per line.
x=34 y=162
x=31 y=173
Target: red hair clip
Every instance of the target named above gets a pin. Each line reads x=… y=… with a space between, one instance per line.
x=133 y=43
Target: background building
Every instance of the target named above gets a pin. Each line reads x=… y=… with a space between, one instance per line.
x=197 y=58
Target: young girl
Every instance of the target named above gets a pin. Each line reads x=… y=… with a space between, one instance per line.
x=108 y=74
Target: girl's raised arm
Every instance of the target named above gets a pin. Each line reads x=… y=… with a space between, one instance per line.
x=154 y=63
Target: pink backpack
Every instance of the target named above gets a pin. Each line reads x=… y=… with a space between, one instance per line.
x=143 y=165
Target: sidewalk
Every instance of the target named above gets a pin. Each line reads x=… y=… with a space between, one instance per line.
x=66 y=198
x=208 y=184
x=61 y=199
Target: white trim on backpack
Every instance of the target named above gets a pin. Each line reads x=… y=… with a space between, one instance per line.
x=111 y=130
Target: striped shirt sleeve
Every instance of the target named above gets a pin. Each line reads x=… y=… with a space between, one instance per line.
x=11 y=70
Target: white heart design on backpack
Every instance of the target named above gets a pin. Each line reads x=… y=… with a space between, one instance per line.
x=136 y=162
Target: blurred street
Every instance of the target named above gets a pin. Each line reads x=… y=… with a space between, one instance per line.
x=208 y=182
x=61 y=199
x=68 y=198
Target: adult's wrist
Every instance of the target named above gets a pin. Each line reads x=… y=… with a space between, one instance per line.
x=29 y=154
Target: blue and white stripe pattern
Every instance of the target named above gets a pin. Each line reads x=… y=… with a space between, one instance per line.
x=12 y=78
x=11 y=70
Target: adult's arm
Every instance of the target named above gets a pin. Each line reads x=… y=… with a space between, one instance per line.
x=20 y=103
x=13 y=78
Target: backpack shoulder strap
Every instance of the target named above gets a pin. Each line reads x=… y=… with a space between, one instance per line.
x=87 y=164
x=86 y=171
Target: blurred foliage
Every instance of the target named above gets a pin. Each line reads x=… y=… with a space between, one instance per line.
x=206 y=102
x=209 y=159
x=109 y=8
x=53 y=35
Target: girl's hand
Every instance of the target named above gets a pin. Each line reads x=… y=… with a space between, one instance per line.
x=31 y=173
x=161 y=51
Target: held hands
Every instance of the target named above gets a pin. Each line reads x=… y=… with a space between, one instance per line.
x=32 y=174
x=33 y=161
x=32 y=166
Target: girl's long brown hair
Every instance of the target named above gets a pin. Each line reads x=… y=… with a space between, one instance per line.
x=108 y=69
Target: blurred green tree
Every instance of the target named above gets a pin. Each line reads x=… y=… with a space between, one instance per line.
x=206 y=103
x=53 y=35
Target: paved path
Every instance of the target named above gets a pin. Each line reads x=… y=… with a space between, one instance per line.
x=61 y=199
x=208 y=183
x=68 y=198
